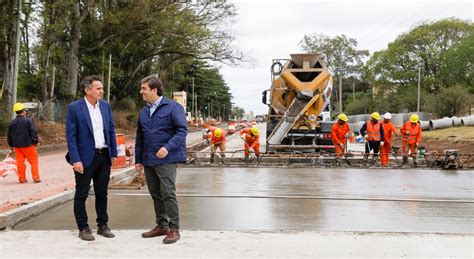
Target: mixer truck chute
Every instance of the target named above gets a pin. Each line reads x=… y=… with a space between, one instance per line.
x=298 y=114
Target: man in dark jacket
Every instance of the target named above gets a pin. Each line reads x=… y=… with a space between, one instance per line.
x=160 y=144
x=92 y=150
x=22 y=137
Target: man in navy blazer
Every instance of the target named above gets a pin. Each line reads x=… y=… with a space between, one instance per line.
x=92 y=149
x=160 y=144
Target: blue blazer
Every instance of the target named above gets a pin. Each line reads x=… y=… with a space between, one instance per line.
x=79 y=132
x=167 y=127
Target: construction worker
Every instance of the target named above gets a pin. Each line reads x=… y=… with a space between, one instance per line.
x=251 y=141
x=388 y=131
x=217 y=137
x=411 y=138
x=22 y=137
x=339 y=133
x=373 y=133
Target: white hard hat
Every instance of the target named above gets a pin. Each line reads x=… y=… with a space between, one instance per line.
x=387 y=116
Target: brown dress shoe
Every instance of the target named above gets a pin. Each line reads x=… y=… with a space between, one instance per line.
x=172 y=237
x=104 y=231
x=156 y=231
x=86 y=235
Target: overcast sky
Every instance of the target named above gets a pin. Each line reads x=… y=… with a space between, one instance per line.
x=272 y=29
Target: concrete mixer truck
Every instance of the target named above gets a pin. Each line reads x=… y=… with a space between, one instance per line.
x=298 y=105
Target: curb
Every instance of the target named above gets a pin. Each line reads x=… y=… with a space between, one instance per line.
x=41 y=148
x=11 y=218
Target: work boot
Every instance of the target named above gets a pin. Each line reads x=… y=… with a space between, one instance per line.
x=415 y=161
x=223 y=159
x=405 y=160
x=37 y=181
x=86 y=235
x=212 y=158
x=172 y=237
x=246 y=159
x=24 y=181
x=104 y=231
x=156 y=231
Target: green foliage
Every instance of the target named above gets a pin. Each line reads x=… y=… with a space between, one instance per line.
x=362 y=104
x=132 y=118
x=125 y=104
x=443 y=52
x=143 y=38
x=3 y=125
x=340 y=53
x=453 y=101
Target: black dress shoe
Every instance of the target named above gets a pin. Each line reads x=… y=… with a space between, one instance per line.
x=104 y=231
x=86 y=235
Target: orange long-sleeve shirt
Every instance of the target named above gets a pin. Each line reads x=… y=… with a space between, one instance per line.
x=338 y=133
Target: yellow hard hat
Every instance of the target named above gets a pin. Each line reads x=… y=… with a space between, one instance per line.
x=414 y=118
x=375 y=115
x=218 y=132
x=343 y=117
x=254 y=130
x=18 y=107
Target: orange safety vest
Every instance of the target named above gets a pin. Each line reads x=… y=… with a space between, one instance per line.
x=415 y=133
x=216 y=140
x=373 y=131
x=249 y=138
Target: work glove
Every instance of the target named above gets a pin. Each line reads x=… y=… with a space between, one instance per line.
x=341 y=145
x=407 y=133
x=365 y=137
x=381 y=143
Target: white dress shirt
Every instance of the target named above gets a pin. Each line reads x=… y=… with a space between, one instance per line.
x=97 y=124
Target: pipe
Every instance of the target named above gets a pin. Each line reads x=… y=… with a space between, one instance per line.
x=441 y=123
x=425 y=125
x=397 y=119
x=468 y=120
x=355 y=127
x=457 y=121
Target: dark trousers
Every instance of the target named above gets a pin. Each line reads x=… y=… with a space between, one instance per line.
x=161 y=181
x=372 y=145
x=99 y=171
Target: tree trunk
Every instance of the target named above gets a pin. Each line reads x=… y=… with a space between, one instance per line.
x=7 y=54
x=73 y=59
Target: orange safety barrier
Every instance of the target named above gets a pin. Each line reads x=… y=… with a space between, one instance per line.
x=352 y=138
x=121 y=158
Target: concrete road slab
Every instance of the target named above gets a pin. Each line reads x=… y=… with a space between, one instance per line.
x=422 y=201
x=230 y=244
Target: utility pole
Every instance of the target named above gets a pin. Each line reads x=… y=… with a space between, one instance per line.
x=108 y=83
x=418 y=97
x=196 y=102
x=353 y=92
x=17 y=58
x=340 y=94
x=192 y=103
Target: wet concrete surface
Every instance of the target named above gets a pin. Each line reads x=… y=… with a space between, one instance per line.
x=268 y=199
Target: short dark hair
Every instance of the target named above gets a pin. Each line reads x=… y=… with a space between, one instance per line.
x=88 y=80
x=154 y=82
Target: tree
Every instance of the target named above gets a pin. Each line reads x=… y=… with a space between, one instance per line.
x=8 y=33
x=426 y=45
x=340 y=52
x=453 y=101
